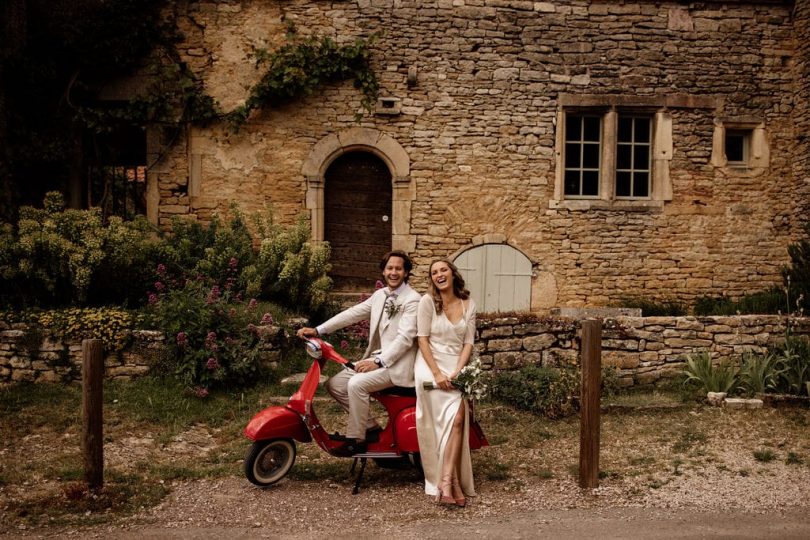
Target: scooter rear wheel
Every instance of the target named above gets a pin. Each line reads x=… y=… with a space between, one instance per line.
x=267 y=462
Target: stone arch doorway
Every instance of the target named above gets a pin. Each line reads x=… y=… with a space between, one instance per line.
x=402 y=187
x=357 y=218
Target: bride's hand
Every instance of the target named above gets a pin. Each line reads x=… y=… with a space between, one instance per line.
x=443 y=382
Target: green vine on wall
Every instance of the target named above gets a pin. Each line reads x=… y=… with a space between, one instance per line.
x=303 y=65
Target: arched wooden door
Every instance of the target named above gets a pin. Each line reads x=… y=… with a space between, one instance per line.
x=357 y=218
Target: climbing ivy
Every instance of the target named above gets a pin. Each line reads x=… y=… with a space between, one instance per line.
x=303 y=65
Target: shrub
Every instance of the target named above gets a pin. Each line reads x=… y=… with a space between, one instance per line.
x=654 y=308
x=195 y=250
x=769 y=301
x=542 y=390
x=111 y=325
x=214 y=339
x=713 y=378
x=289 y=268
x=57 y=256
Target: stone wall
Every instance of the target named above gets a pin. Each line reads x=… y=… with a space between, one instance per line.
x=480 y=122
x=28 y=355
x=645 y=349
x=802 y=110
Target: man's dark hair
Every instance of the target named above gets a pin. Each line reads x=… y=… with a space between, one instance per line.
x=408 y=263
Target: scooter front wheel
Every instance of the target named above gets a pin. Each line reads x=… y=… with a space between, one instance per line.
x=267 y=462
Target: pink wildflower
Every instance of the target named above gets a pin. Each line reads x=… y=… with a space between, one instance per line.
x=159 y=286
x=212 y=364
x=153 y=298
x=200 y=391
x=378 y=285
x=267 y=319
x=161 y=270
x=181 y=339
x=213 y=296
x=344 y=344
x=252 y=304
x=232 y=264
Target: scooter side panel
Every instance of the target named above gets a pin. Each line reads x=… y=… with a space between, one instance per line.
x=277 y=422
x=405 y=431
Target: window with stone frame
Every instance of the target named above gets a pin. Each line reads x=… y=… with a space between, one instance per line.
x=740 y=144
x=612 y=156
x=626 y=162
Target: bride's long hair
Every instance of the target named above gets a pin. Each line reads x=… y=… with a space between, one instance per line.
x=459 y=289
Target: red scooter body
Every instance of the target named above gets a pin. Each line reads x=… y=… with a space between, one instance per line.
x=274 y=429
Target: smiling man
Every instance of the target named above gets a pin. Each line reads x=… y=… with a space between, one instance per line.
x=388 y=360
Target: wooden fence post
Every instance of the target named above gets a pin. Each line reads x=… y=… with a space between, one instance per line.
x=92 y=417
x=591 y=362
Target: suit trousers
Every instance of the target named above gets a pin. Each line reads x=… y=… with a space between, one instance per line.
x=352 y=390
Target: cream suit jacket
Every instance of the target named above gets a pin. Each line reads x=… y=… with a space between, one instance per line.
x=397 y=334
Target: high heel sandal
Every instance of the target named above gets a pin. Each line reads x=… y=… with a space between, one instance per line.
x=462 y=502
x=446 y=485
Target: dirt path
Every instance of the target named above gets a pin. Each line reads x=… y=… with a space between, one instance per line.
x=627 y=523
x=393 y=505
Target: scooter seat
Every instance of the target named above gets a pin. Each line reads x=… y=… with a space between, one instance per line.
x=407 y=391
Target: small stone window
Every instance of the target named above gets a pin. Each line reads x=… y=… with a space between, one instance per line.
x=740 y=143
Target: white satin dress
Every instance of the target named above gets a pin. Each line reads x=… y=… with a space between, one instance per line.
x=436 y=409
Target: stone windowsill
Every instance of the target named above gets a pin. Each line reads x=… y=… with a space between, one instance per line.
x=601 y=204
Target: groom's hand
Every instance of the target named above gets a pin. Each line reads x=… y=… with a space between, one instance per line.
x=366 y=365
x=307 y=332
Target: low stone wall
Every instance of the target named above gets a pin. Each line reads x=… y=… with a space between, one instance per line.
x=34 y=355
x=644 y=349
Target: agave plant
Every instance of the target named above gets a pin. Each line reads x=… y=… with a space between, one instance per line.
x=721 y=377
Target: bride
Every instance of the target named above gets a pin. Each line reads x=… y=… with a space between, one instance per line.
x=446 y=331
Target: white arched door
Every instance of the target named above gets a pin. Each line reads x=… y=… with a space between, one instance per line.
x=498 y=276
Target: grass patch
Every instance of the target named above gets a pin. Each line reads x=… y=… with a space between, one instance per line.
x=793 y=459
x=495 y=471
x=544 y=474
x=764 y=455
x=688 y=440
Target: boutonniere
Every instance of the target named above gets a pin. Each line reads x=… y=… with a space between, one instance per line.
x=391 y=308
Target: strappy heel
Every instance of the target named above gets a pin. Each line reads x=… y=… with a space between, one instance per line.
x=445 y=486
x=462 y=502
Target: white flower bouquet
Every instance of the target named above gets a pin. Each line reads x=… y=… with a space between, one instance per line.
x=469 y=381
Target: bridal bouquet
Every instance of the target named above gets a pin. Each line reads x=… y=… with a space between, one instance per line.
x=469 y=381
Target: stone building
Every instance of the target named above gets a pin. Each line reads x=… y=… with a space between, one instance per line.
x=565 y=153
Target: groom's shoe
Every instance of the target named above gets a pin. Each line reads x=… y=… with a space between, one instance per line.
x=349 y=448
x=373 y=434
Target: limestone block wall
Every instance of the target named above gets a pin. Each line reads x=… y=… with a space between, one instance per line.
x=480 y=122
x=646 y=350
x=35 y=355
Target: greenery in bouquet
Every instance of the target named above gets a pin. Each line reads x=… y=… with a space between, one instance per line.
x=470 y=381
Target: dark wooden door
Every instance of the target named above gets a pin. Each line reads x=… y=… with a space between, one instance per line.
x=357 y=218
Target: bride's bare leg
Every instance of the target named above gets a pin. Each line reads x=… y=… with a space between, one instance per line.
x=452 y=454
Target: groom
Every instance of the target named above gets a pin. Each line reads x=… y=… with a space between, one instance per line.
x=388 y=360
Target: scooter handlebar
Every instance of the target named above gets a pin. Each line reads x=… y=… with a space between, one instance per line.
x=317 y=347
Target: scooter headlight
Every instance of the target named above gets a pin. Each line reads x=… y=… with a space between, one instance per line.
x=314 y=350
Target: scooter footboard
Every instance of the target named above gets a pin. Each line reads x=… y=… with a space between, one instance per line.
x=277 y=422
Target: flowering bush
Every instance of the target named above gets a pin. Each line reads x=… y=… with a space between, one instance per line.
x=213 y=336
x=56 y=256
x=110 y=325
x=289 y=268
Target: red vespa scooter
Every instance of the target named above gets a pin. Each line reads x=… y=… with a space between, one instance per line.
x=275 y=429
